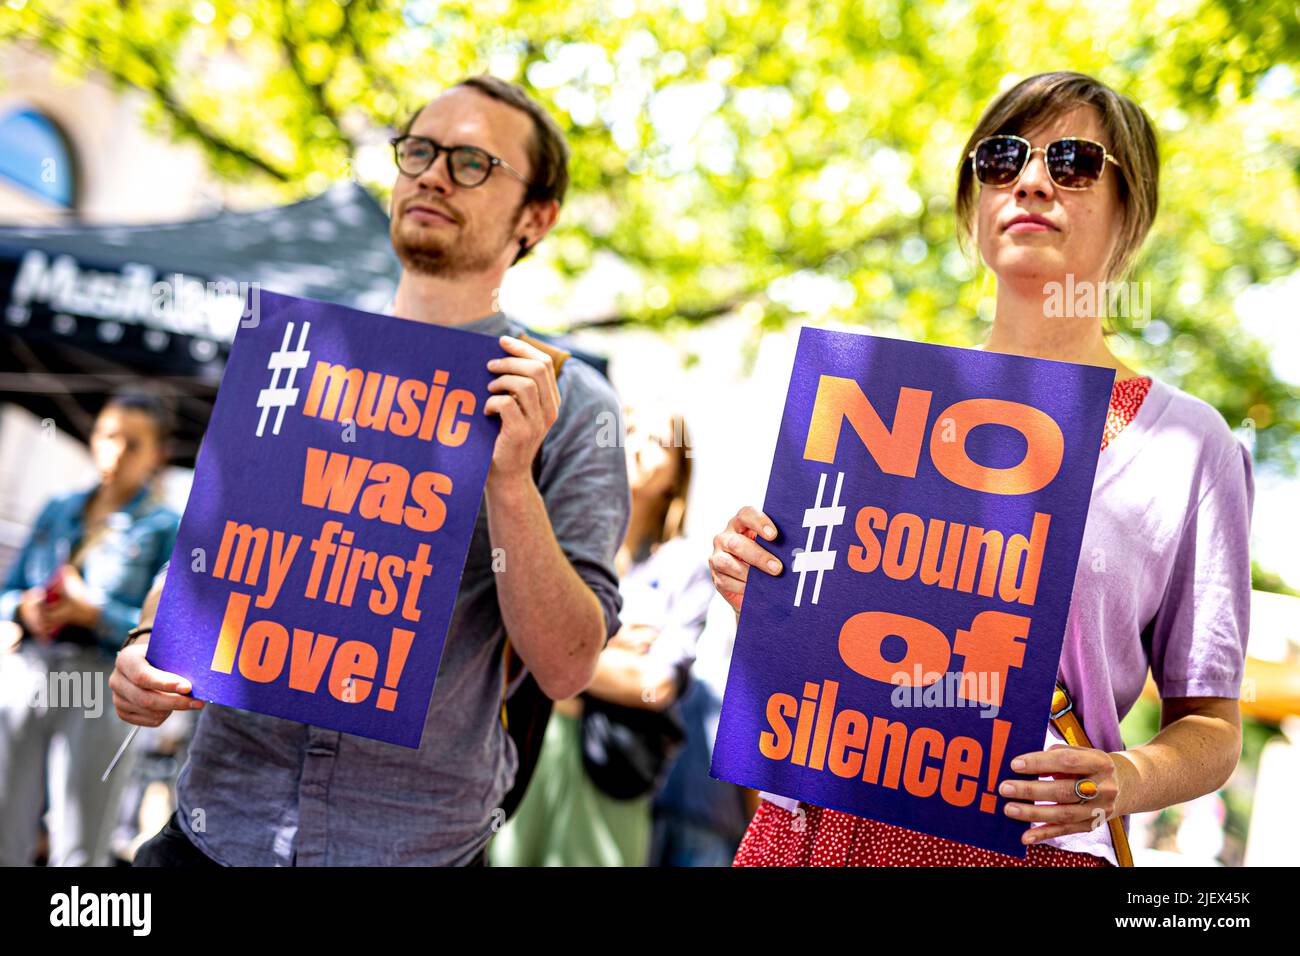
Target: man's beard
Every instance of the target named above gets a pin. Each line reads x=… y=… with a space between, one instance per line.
x=429 y=253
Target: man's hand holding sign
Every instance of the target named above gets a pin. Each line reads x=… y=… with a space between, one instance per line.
x=527 y=400
x=897 y=679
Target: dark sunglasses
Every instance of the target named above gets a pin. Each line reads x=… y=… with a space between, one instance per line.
x=469 y=166
x=1072 y=162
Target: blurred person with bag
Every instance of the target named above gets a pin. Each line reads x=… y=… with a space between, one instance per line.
x=699 y=820
x=606 y=752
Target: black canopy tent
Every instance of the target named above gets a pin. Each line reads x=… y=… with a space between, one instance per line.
x=85 y=309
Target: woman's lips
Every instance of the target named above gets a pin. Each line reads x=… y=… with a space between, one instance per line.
x=1025 y=226
x=1030 y=223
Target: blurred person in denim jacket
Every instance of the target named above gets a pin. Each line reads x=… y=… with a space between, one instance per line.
x=69 y=599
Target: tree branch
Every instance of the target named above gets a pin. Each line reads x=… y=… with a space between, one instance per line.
x=787 y=255
x=314 y=91
x=354 y=41
x=162 y=91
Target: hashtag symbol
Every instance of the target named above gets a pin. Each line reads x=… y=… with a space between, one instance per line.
x=819 y=516
x=275 y=396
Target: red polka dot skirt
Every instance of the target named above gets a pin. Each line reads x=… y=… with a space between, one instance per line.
x=813 y=836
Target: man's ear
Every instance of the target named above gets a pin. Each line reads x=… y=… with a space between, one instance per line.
x=539 y=218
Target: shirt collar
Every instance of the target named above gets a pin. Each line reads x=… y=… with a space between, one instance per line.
x=495 y=324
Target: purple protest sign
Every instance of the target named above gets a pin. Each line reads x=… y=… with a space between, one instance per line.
x=334 y=498
x=930 y=504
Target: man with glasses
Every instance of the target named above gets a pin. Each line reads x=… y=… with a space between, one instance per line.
x=481 y=176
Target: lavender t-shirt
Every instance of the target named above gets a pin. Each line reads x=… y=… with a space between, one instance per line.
x=1164 y=573
x=1163 y=580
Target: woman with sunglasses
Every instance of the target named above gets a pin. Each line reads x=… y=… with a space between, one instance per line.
x=1060 y=178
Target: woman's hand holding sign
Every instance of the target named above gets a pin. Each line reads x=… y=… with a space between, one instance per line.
x=736 y=550
x=1063 y=809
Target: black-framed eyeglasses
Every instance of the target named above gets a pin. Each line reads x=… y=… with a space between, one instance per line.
x=1072 y=162
x=469 y=166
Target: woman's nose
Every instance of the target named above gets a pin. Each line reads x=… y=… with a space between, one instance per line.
x=1035 y=178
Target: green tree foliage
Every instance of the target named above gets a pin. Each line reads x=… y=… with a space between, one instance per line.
x=793 y=160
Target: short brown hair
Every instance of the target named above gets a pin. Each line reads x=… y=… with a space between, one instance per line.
x=548 y=152
x=1041 y=98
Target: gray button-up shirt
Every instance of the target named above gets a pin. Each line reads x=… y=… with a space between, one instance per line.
x=263 y=791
